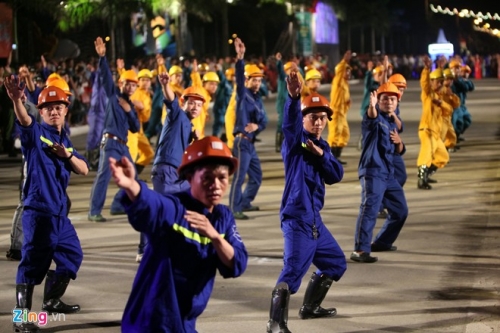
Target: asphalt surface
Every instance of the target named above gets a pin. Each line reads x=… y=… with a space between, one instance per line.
x=444 y=277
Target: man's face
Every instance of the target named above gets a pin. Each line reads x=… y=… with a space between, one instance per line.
x=253 y=83
x=209 y=184
x=313 y=84
x=53 y=114
x=436 y=84
x=447 y=82
x=456 y=71
x=145 y=83
x=176 y=79
x=401 y=92
x=128 y=87
x=193 y=107
x=387 y=103
x=315 y=123
x=210 y=86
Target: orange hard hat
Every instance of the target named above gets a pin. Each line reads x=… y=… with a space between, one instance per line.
x=211 y=77
x=194 y=92
x=52 y=94
x=210 y=149
x=389 y=88
x=398 y=80
x=316 y=103
x=230 y=72
x=252 y=70
x=61 y=84
x=129 y=75
x=466 y=69
x=378 y=69
x=454 y=63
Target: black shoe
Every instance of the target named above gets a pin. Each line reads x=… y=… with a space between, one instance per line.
x=382 y=214
x=431 y=181
x=363 y=257
x=379 y=248
x=13 y=255
x=251 y=209
x=55 y=287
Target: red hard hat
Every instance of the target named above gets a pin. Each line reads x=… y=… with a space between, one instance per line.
x=195 y=92
x=52 y=95
x=206 y=149
x=316 y=103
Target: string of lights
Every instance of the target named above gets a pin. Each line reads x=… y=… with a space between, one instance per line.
x=479 y=17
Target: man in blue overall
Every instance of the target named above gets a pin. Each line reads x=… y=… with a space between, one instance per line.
x=376 y=170
x=176 y=135
x=48 y=233
x=250 y=120
x=120 y=117
x=191 y=237
x=309 y=165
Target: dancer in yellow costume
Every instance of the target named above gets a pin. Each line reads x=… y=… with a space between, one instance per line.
x=209 y=84
x=340 y=102
x=433 y=153
x=312 y=82
x=448 y=131
x=137 y=143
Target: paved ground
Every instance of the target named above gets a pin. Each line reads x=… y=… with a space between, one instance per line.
x=445 y=276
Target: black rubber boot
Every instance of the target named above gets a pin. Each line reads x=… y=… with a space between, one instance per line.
x=423 y=178
x=432 y=170
x=278 y=314
x=337 y=151
x=279 y=141
x=24 y=296
x=315 y=294
x=55 y=287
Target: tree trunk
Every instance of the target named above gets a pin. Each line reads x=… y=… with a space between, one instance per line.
x=362 y=38
x=373 y=47
x=225 y=29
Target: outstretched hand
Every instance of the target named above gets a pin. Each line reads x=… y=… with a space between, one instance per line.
x=293 y=84
x=100 y=47
x=14 y=87
x=164 y=79
x=239 y=48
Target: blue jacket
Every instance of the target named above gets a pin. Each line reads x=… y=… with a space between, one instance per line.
x=305 y=173
x=378 y=150
x=176 y=275
x=282 y=93
x=175 y=136
x=116 y=121
x=96 y=114
x=249 y=106
x=47 y=174
x=461 y=87
x=223 y=94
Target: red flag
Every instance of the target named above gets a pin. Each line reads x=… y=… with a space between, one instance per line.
x=5 y=30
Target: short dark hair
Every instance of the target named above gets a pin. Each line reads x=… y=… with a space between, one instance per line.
x=214 y=161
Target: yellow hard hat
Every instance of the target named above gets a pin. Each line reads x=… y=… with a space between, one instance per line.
x=174 y=70
x=313 y=74
x=252 y=70
x=129 y=75
x=145 y=73
x=378 y=69
x=61 y=84
x=437 y=74
x=203 y=67
x=54 y=76
x=448 y=74
x=211 y=77
x=454 y=63
x=288 y=65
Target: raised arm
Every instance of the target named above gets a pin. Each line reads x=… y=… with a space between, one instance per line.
x=15 y=91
